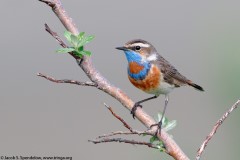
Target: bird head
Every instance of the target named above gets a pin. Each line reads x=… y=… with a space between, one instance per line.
x=139 y=50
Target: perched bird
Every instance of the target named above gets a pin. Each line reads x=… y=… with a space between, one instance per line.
x=150 y=72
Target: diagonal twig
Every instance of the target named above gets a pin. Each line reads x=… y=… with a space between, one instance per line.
x=48 y=2
x=58 y=39
x=66 y=81
x=214 y=130
x=55 y=35
x=120 y=140
x=124 y=133
x=105 y=138
x=119 y=118
x=130 y=132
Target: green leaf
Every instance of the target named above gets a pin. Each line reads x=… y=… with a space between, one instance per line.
x=159 y=116
x=153 y=139
x=80 y=35
x=74 y=40
x=89 y=39
x=161 y=147
x=161 y=143
x=68 y=34
x=85 y=40
x=65 y=50
x=88 y=53
x=80 y=48
x=77 y=44
x=144 y=134
x=77 y=54
x=171 y=125
x=164 y=120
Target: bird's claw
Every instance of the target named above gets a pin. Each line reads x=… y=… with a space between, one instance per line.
x=159 y=125
x=136 y=105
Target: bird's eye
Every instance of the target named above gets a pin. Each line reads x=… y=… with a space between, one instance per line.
x=137 y=48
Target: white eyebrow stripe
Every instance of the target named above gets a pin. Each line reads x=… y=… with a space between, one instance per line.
x=141 y=44
x=152 y=57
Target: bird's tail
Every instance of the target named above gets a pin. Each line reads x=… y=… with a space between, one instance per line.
x=190 y=83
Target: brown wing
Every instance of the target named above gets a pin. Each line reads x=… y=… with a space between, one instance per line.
x=171 y=75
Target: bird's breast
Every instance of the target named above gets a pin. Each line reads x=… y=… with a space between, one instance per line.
x=151 y=80
x=135 y=68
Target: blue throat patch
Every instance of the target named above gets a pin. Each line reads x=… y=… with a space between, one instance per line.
x=135 y=57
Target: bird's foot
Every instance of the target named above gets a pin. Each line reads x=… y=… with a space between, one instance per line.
x=136 y=105
x=159 y=125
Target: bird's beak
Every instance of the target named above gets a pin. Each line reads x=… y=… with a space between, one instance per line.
x=122 y=48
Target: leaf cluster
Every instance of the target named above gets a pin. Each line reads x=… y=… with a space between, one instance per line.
x=77 y=44
x=166 y=125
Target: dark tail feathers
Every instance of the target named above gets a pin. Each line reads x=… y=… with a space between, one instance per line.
x=195 y=86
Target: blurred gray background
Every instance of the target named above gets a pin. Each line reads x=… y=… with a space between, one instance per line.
x=41 y=118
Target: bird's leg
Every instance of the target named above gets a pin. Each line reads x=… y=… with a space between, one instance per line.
x=137 y=104
x=159 y=124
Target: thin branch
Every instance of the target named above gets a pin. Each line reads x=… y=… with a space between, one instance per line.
x=120 y=140
x=134 y=132
x=66 y=80
x=58 y=39
x=130 y=132
x=214 y=130
x=48 y=2
x=119 y=118
x=62 y=15
x=55 y=35
x=105 y=138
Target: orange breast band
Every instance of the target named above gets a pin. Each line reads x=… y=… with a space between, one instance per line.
x=135 y=68
x=150 y=82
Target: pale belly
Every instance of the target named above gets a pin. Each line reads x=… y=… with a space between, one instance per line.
x=163 y=88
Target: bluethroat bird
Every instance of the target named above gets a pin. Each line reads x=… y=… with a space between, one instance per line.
x=150 y=72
